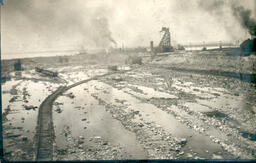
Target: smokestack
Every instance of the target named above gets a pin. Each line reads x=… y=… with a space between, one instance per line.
x=220 y=45
x=123 y=47
x=151 y=46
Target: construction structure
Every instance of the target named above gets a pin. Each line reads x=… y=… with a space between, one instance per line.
x=165 y=43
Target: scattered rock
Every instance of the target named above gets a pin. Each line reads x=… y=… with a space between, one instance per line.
x=84 y=119
x=58 y=110
x=140 y=125
x=70 y=95
x=24 y=138
x=14 y=136
x=136 y=112
x=30 y=107
x=80 y=141
x=117 y=78
x=134 y=60
x=236 y=94
x=195 y=89
x=13 y=99
x=113 y=68
x=183 y=142
x=58 y=103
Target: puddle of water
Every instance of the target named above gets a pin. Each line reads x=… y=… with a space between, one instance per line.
x=250 y=136
x=216 y=114
x=151 y=113
x=7 y=86
x=19 y=117
x=101 y=123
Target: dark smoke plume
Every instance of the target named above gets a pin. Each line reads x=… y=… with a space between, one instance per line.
x=56 y=21
x=218 y=8
x=245 y=18
x=102 y=32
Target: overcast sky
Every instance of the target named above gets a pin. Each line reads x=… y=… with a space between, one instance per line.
x=31 y=25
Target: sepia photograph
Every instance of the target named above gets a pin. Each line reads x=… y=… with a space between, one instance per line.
x=128 y=80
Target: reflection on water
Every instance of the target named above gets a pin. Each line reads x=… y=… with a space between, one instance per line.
x=29 y=93
x=151 y=113
x=85 y=117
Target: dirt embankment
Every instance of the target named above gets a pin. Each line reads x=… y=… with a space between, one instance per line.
x=209 y=60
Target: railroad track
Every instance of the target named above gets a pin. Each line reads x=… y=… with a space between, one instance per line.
x=45 y=129
x=45 y=136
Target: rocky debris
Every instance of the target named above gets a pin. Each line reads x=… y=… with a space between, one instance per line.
x=183 y=142
x=58 y=110
x=236 y=94
x=113 y=68
x=29 y=107
x=120 y=101
x=80 y=141
x=148 y=134
x=13 y=135
x=57 y=103
x=62 y=151
x=140 y=124
x=24 y=138
x=133 y=60
x=13 y=91
x=70 y=95
x=117 y=78
x=216 y=114
x=25 y=94
x=13 y=99
x=81 y=148
x=5 y=113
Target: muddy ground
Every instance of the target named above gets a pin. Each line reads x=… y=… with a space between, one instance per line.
x=185 y=105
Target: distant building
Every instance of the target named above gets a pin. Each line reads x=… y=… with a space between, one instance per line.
x=17 y=65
